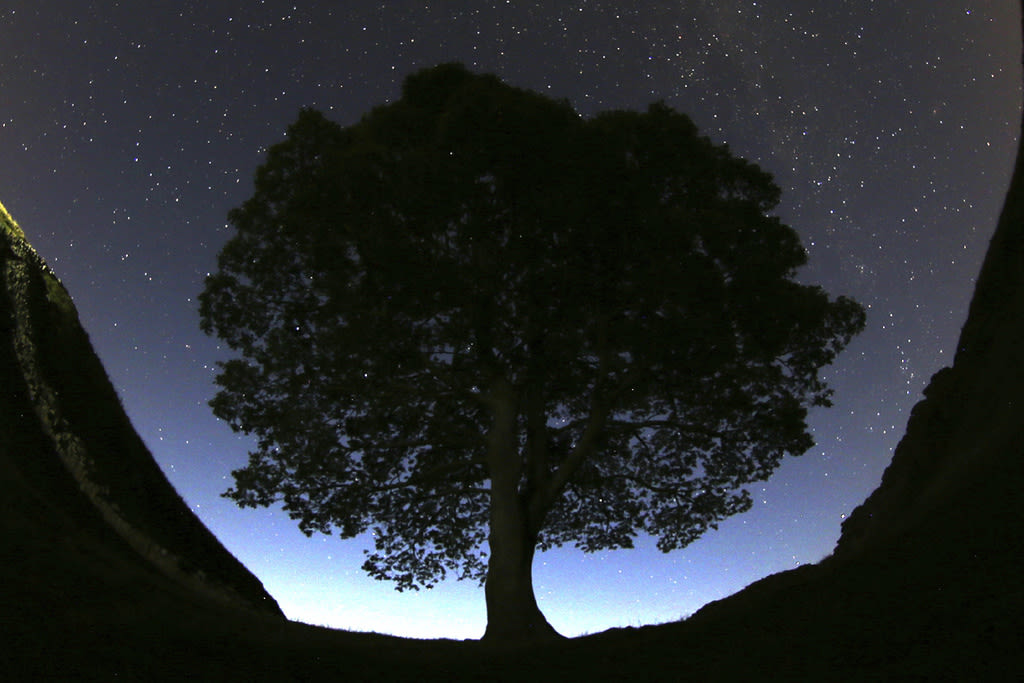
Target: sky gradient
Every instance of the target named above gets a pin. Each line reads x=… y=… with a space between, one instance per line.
x=129 y=130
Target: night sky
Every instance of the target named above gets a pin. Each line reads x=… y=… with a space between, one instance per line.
x=129 y=129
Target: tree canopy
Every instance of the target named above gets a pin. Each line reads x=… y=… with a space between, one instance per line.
x=476 y=323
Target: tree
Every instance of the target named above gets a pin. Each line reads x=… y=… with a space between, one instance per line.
x=475 y=317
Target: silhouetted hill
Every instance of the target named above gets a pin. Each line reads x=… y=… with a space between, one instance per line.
x=90 y=524
x=965 y=437
x=107 y=573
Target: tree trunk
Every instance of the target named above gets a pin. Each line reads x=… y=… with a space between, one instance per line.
x=512 y=612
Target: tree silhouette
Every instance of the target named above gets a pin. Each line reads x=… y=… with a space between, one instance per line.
x=476 y=317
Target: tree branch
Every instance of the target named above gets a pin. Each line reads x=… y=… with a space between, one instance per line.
x=536 y=442
x=426 y=477
x=585 y=446
x=635 y=426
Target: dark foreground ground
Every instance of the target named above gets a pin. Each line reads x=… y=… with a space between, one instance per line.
x=909 y=612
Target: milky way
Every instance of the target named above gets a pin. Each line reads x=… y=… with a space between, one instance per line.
x=128 y=130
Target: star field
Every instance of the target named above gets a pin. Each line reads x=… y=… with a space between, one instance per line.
x=128 y=130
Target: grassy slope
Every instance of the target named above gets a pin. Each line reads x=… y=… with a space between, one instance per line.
x=44 y=505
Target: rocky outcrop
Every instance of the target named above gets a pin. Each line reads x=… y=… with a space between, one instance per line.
x=924 y=580
x=81 y=488
x=966 y=438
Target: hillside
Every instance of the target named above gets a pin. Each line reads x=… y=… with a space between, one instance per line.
x=90 y=525
x=108 y=573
